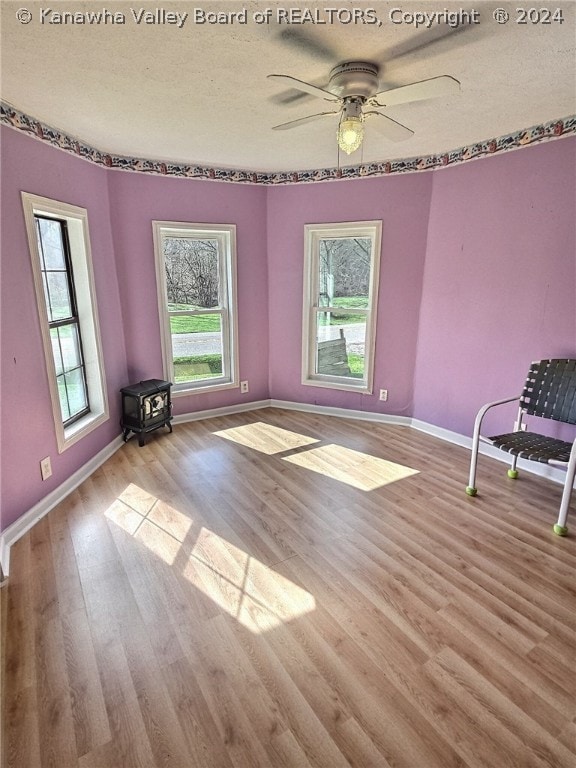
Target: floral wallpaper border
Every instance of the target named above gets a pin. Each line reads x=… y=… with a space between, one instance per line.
x=13 y=118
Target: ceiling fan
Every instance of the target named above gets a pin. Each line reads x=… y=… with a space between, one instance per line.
x=353 y=90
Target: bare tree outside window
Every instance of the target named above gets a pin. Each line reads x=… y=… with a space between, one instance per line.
x=191 y=273
x=345 y=269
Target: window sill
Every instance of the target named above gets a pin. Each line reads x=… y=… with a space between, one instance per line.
x=346 y=386
x=75 y=432
x=184 y=390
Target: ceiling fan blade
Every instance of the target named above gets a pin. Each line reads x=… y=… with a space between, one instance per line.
x=447 y=37
x=302 y=120
x=306 y=87
x=291 y=96
x=390 y=128
x=425 y=89
x=305 y=43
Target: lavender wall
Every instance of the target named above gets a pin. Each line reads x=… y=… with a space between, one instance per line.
x=27 y=425
x=499 y=283
x=402 y=203
x=136 y=201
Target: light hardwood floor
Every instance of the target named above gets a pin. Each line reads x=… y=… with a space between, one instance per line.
x=278 y=589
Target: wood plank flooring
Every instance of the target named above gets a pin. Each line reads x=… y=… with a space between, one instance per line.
x=282 y=590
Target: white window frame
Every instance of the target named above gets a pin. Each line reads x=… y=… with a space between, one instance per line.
x=81 y=257
x=225 y=234
x=313 y=234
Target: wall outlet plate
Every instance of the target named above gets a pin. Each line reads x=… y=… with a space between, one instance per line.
x=46 y=468
x=244 y=387
x=384 y=394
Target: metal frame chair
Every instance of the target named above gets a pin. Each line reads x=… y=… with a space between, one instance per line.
x=550 y=393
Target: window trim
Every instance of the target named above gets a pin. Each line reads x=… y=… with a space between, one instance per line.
x=76 y=219
x=313 y=233
x=229 y=310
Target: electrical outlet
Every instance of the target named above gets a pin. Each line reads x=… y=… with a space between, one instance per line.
x=384 y=394
x=46 y=468
x=243 y=387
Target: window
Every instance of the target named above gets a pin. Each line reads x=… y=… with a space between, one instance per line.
x=65 y=336
x=196 y=276
x=340 y=297
x=61 y=262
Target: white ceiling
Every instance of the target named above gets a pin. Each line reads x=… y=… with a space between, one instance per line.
x=199 y=93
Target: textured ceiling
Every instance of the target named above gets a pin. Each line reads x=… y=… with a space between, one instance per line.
x=198 y=93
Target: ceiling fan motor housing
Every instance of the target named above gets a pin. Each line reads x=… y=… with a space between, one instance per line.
x=354 y=78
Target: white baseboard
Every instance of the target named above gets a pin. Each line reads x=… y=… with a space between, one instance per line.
x=28 y=519
x=19 y=527
x=213 y=413
x=443 y=434
x=343 y=413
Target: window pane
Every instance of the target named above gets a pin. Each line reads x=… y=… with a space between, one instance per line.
x=77 y=400
x=196 y=346
x=344 y=271
x=57 y=295
x=56 y=351
x=66 y=347
x=63 y=396
x=51 y=245
x=191 y=273
x=340 y=349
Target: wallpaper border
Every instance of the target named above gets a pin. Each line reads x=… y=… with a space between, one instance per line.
x=554 y=129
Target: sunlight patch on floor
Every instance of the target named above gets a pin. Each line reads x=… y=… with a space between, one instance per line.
x=259 y=597
x=266 y=438
x=255 y=594
x=360 y=470
x=159 y=526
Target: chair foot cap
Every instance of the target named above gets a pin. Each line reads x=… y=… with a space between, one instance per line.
x=513 y=474
x=471 y=491
x=560 y=530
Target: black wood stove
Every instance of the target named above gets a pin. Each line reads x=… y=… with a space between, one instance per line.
x=145 y=407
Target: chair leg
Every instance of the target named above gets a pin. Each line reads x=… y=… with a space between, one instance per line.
x=561 y=528
x=513 y=472
x=518 y=427
x=471 y=489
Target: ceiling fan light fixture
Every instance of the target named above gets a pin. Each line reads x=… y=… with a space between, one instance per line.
x=350 y=133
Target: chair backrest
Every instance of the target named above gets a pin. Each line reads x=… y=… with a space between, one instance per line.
x=550 y=390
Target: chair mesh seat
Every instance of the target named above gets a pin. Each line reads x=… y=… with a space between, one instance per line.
x=529 y=445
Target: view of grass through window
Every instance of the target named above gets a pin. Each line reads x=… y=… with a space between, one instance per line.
x=196 y=357
x=349 y=302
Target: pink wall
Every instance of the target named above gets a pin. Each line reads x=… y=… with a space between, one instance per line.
x=402 y=203
x=27 y=425
x=136 y=201
x=499 y=283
